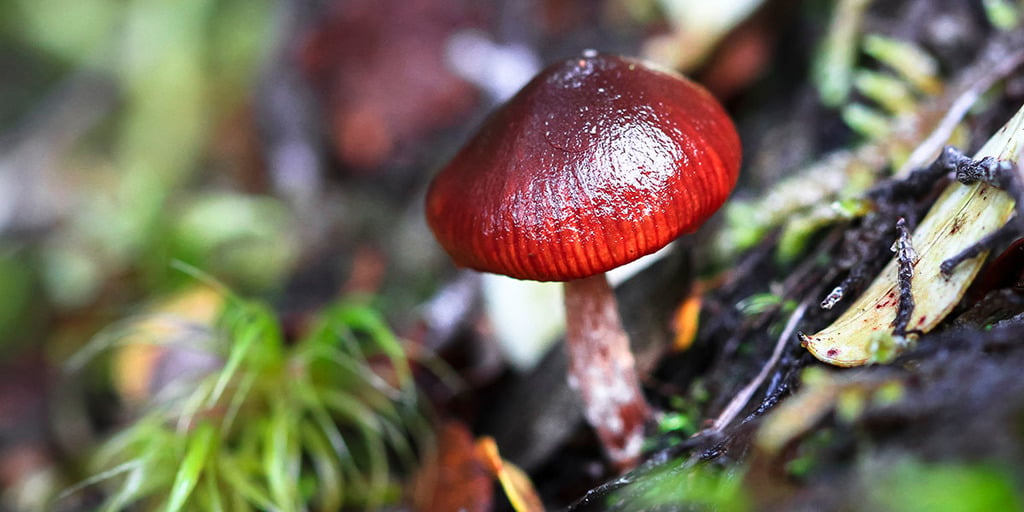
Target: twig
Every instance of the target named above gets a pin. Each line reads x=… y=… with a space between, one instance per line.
x=740 y=400
x=906 y=256
x=1003 y=175
x=833 y=297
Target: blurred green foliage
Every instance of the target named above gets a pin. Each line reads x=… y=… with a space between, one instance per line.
x=911 y=485
x=312 y=425
x=684 y=486
x=130 y=180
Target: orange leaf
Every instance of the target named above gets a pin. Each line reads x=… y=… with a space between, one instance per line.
x=685 y=321
x=514 y=481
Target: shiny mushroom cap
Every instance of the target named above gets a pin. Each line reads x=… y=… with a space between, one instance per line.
x=598 y=161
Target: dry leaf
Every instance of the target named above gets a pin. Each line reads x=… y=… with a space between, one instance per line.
x=685 y=321
x=454 y=478
x=514 y=481
x=961 y=216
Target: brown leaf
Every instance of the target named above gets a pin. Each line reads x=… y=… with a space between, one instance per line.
x=518 y=487
x=454 y=478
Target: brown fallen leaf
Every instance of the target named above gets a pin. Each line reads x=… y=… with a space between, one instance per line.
x=454 y=477
x=517 y=485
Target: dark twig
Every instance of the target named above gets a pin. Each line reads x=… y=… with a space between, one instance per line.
x=858 y=252
x=891 y=200
x=834 y=296
x=1001 y=174
x=741 y=399
x=906 y=256
x=921 y=180
x=999 y=237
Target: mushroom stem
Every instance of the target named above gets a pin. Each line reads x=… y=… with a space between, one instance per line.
x=602 y=370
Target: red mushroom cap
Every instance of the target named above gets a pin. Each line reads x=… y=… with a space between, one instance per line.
x=598 y=161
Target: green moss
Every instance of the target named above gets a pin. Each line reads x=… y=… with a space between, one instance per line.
x=277 y=426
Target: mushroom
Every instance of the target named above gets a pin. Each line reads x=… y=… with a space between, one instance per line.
x=599 y=160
